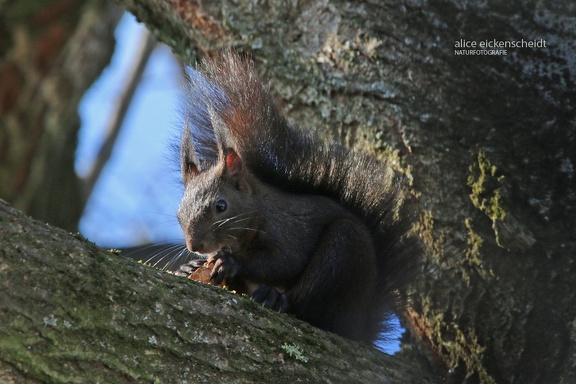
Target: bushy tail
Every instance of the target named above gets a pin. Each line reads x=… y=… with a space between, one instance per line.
x=298 y=161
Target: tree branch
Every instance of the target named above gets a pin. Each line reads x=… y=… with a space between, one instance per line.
x=71 y=312
x=146 y=47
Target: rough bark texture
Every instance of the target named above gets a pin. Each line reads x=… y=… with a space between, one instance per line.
x=489 y=142
x=74 y=313
x=50 y=53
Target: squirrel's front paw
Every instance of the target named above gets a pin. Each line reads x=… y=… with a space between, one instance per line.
x=270 y=298
x=225 y=268
x=188 y=268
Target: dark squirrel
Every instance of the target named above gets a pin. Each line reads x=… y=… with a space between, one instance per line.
x=302 y=226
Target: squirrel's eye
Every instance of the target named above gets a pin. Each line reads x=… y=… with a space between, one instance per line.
x=220 y=206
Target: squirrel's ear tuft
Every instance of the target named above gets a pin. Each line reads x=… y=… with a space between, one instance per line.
x=221 y=132
x=190 y=165
x=232 y=163
x=191 y=169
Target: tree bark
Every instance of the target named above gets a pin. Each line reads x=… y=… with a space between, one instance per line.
x=488 y=141
x=72 y=312
x=50 y=53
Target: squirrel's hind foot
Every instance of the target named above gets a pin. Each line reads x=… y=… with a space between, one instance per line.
x=270 y=298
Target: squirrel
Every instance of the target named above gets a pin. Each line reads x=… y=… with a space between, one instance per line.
x=300 y=225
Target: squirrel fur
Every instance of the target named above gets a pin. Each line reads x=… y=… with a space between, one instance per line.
x=301 y=225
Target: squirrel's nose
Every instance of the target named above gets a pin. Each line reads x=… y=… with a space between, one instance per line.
x=191 y=246
x=196 y=246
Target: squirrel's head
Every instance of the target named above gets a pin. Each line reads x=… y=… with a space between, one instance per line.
x=218 y=209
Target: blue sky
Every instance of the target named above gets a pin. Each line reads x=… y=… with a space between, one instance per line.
x=137 y=195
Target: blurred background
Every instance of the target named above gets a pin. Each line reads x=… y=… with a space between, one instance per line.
x=135 y=198
x=88 y=110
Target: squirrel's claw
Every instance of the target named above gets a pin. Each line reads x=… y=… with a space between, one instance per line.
x=189 y=267
x=270 y=298
x=225 y=268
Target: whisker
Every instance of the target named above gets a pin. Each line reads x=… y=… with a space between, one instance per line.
x=166 y=256
x=162 y=255
x=246 y=229
x=238 y=217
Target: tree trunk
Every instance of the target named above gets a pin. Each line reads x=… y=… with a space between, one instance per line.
x=51 y=52
x=488 y=140
x=72 y=312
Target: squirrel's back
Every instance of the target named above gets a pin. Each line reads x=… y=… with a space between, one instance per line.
x=228 y=102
